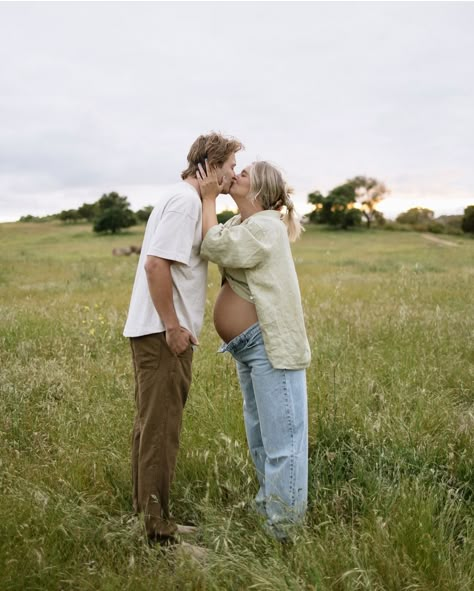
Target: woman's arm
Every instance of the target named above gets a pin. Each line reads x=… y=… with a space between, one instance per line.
x=242 y=246
x=209 y=216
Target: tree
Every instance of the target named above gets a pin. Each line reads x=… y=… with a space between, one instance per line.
x=343 y=212
x=369 y=193
x=468 y=220
x=144 y=213
x=225 y=216
x=379 y=218
x=337 y=208
x=416 y=216
x=113 y=213
x=69 y=215
x=317 y=199
x=87 y=211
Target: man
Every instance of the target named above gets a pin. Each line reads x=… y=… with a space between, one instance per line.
x=164 y=320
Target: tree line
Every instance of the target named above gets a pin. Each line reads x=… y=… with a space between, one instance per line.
x=354 y=203
x=349 y=205
x=110 y=213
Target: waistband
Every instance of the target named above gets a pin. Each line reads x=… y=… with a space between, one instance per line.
x=242 y=339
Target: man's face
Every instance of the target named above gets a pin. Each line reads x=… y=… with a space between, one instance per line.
x=226 y=173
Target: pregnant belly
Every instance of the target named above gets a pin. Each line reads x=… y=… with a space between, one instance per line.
x=232 y=314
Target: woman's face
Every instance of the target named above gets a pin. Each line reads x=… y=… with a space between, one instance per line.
x=241 y=185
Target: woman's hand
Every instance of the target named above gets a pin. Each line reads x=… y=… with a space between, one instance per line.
x=208 y=183
x=210 y=188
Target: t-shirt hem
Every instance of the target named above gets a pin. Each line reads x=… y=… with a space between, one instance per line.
x=169 y=256
x=141 y=332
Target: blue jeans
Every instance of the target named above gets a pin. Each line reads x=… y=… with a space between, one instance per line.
x=276 y=423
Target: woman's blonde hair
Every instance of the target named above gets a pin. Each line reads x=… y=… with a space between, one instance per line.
x=268 y=186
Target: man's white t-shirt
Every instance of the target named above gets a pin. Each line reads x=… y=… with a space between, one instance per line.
x=173 y=232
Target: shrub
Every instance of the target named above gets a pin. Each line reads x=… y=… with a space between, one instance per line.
x=225 y=215
x=436 y=228
x=468 y=220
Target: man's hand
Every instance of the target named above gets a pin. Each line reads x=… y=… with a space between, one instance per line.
x=160 y=284
x=208 y=182
x=179 y=339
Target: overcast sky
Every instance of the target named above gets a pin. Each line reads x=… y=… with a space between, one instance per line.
x=97 y=97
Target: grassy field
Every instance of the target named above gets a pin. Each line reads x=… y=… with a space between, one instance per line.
x=390 y=319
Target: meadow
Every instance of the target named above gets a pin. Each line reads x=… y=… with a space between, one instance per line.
x=390 y=319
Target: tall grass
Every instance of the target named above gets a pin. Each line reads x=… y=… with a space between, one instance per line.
x=390 y=321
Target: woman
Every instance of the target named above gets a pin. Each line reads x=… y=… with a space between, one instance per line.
x=258 y=315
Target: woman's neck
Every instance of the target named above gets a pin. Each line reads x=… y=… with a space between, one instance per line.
x=247 y=208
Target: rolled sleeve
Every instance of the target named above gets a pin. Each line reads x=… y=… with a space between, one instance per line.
x=242 y=246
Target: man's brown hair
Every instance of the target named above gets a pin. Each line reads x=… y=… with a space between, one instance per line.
x=213 y=146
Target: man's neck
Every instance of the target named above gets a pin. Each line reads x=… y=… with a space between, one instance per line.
x=194 y=183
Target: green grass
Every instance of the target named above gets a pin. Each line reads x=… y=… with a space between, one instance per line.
x=390 y=322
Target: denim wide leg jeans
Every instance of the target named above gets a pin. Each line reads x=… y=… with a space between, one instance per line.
x=276 y=424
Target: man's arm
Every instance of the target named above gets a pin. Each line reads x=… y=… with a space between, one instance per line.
x=160 y=284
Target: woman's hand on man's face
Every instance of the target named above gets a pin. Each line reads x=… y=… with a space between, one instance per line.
x=208 y=182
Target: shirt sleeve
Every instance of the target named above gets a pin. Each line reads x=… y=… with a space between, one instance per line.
x=239 y=247
x=173 y=237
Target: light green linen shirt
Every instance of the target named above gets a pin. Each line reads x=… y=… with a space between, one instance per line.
x=237 y=279
x=259 y=247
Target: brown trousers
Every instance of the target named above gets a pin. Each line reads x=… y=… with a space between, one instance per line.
x=162 y=382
